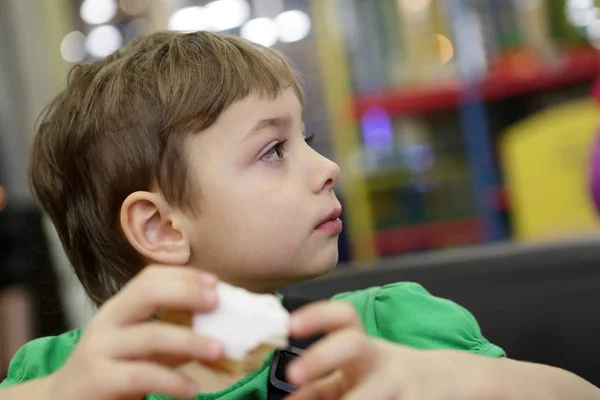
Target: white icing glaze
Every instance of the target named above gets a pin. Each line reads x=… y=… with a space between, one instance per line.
x=243 y=321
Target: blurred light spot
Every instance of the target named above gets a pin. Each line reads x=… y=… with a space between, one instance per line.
x=188 y=19
x=260 y=30
x=377 y=129
x=578 y=18
x=293 y=25
x=582 y=18
x=446 y=48
x=103 y=40
x=96 y=12
x=227 y=14
x=135 y=7
x=574 y=4
x=415 y=6
x=72 y=47
x=593 y=33
x=580 y=13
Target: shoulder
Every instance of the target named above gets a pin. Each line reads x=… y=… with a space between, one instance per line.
x=408 y=314
x=41 y=357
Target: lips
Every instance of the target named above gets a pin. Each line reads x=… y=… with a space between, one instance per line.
x=331 y=223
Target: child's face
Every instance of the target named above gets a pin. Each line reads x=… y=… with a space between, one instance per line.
x=260 y=205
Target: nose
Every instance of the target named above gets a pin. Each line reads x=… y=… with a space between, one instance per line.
x=327 y=173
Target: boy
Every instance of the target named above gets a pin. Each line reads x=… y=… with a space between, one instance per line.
x=188 y=150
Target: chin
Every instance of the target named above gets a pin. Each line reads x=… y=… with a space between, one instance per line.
x=322 y=265
x=311 y=270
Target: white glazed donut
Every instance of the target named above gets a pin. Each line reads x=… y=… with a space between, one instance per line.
x=248 y=325
x=244 y=321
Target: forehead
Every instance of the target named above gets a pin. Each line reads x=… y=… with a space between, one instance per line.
x=256 y=108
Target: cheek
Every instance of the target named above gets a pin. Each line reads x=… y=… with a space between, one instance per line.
x=273 y=215
x=268 y=198
x=265 y=220
x=259 y=216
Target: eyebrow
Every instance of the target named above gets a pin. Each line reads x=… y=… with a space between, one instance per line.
x=277 y=122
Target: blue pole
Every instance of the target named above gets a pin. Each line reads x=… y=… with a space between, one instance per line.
x=474 y=119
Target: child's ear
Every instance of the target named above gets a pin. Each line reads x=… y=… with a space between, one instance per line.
x=154 y=229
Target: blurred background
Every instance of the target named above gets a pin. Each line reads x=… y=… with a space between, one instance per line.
x=463 y=128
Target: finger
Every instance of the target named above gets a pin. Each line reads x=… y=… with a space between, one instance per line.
x=156 y=339
x=323 y=317
x=332 y=387
x=179 y=288
x=142 y=378
x=327 y=355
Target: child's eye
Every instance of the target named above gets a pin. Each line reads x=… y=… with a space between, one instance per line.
x=275 y=153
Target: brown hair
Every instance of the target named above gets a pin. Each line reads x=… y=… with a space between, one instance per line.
x=119 y=127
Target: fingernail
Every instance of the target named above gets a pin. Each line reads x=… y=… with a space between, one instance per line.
x=214 y=349
x=192 y=389
x=209 y=279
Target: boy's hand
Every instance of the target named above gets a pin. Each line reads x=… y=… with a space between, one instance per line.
x=122 y=355
x=348 y=364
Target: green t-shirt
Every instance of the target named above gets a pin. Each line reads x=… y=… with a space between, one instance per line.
x=402 y=312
